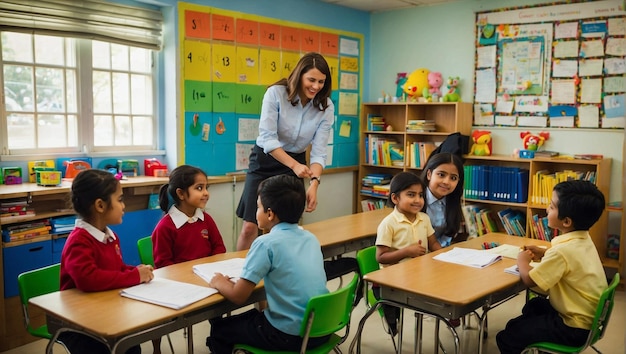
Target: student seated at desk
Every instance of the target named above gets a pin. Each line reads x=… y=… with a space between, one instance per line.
x=405 y=233
x=570 y=272
x=186 y=232
x=289 y=260
x=91 y=259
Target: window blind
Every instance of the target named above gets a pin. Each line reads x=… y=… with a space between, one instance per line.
x=92 y=19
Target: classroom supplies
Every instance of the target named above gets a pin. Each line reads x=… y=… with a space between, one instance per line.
x=168 y=293
x=73 y=167
x=128 y=167
x=468 y=257
x=154 y=167
x=12 y=175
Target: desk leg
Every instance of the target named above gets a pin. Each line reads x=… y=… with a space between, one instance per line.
x=356 y=341
x=190 y=340
x=419 y=321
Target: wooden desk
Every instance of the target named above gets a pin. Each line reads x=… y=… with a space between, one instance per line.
x=447 y=290
x=347 y=233
x=121 y=322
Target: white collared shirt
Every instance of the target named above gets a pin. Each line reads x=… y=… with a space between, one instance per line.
x=103 y=237
x=179 y=218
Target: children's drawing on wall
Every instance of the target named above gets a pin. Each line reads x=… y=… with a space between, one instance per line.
x=552 y=66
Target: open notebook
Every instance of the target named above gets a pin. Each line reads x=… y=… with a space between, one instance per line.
x=168 y=293
x=231 y=268
x=468 y=257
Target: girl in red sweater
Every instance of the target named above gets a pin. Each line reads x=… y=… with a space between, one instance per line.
x=186 y=232
x=92 y=259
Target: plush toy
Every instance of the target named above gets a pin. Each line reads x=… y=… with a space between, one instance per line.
x=415 y=83
x=532 y=141
x=400 y=81
x=433 y=91
x=453 y=92
x=482 y=143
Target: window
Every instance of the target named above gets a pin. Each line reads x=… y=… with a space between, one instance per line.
x=47 y=106
x=78 y=79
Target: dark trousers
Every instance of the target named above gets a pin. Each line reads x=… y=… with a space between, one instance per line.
x=78 y=343
x=539 y=322
x=252 y=328
x=392 y=313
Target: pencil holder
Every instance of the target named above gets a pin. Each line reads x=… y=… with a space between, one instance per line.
x=526 y=154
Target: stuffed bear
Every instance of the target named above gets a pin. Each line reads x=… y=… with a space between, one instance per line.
x=482 y=143
x=433 y=91
x=453 y=92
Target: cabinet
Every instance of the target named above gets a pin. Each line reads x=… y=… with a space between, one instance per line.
x=448 y=117
x=38 y=251
x=601 y=168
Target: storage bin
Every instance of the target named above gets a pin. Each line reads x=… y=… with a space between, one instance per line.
x=18 y=259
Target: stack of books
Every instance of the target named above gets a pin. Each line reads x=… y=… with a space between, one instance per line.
x=420 y=125
x=375 y=123
x=62 y=225
x=15 y=209
x=376 y=185
x=26 y=230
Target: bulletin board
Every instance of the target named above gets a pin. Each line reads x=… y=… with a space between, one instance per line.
x=552 y=66
x=228 y=60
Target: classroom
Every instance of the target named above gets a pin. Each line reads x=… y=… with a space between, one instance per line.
x=209 y=118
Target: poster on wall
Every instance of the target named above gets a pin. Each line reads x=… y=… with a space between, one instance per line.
x=552 y=66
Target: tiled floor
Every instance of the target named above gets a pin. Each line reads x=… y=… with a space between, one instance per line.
x=375 y=340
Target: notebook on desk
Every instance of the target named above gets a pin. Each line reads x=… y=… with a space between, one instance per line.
x=231 y=268
x=168 y=293
x=469 y=257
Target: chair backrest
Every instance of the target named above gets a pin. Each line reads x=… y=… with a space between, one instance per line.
x=328 y=313
x=144 y=245
x=366 y=259
x=34 y=283
x=603 y=312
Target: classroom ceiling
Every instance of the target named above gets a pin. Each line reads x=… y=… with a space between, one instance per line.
x=384 y=5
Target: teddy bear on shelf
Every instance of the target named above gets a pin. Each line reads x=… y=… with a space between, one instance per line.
x=433 y=91
x=414 y=86
x=453 y=94
x=532 y=141
x=482 y=143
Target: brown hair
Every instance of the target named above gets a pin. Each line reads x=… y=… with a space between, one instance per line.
x=309 y=61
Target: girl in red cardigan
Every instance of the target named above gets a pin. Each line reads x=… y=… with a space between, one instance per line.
x=92 y=258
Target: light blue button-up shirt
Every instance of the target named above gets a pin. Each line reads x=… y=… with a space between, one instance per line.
x=293 y=128
x=436 y=209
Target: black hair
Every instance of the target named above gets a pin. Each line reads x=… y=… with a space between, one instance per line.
x=285 y=195
x=89 y=186
x=309 y=61
x=403 y=181
x=183 y=177
x=454 y=214
x=581 y=201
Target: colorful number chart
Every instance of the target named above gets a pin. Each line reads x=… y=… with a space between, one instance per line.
x=229 y=58
x=559 y=65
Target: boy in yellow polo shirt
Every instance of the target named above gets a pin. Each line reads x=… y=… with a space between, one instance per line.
x=570 y=272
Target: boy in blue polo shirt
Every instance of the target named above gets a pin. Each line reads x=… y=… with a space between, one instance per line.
x=290 y=262
x=570 y=273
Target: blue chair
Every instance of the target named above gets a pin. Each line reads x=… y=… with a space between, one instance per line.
x=598 y=326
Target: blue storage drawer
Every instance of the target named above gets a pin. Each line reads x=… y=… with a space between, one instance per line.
x=57 y=248
x=18 y=259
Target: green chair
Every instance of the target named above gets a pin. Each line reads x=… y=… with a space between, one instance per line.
x=598 y=326
x=144 y=246
x=325 y=314
x=34 y=283
x=366 y=259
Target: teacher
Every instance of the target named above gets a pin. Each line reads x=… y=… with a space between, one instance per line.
x=296 y=112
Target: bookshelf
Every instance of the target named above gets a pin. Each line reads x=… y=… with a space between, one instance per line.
x=393 y=136
x=600 y=169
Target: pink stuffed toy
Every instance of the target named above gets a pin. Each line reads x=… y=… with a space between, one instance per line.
x=435 y=80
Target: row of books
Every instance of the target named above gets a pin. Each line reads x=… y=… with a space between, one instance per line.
x=540 y=230
x=375 y=123
x=418 y=153
x=372 y=204
x=498 y=183
x=544 y=181
x=15 y=209
x=383 y=151
x=478 y=220
x=26 y=230
x=513 y=221
x=378 y=191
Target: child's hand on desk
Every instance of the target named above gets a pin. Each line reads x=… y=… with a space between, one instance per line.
x=219 y=279
x=525 y=256
x=537 y=252
x=145 y=273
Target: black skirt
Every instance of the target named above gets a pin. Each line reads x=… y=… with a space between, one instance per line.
x=261 y=167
